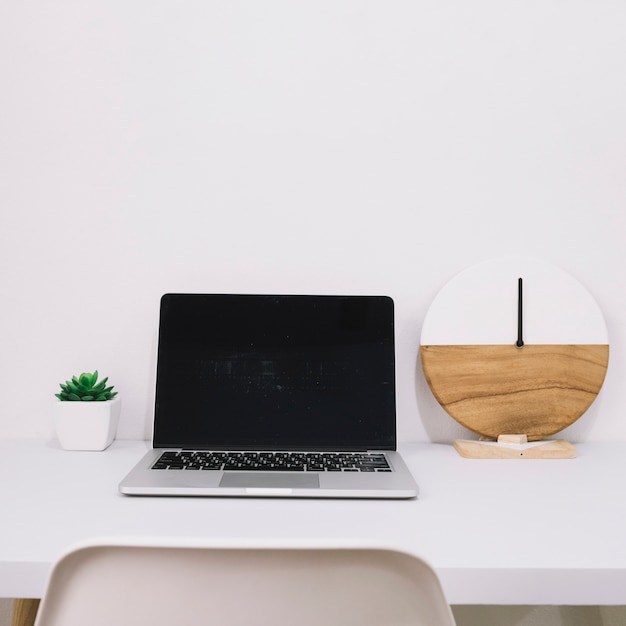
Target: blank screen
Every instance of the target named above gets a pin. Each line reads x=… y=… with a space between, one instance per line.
x=254 y=372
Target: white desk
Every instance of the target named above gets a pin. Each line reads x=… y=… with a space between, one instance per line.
x=498 y=532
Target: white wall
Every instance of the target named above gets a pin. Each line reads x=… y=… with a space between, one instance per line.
x=285 y=146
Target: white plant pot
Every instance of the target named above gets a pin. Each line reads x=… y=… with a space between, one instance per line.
x=86 y=425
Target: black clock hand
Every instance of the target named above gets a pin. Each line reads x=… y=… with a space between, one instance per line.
x=520 y=342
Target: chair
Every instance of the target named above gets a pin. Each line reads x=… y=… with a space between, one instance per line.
x=106 y=584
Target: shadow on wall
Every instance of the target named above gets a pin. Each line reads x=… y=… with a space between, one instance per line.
x=6 y=609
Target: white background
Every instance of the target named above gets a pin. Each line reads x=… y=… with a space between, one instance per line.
x=297 y=147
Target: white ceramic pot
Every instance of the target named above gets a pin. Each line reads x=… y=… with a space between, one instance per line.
x=86 y=425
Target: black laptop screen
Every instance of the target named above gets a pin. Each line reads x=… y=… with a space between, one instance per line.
x=275 y=372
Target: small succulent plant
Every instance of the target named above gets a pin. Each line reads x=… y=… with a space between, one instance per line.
x=85 y=388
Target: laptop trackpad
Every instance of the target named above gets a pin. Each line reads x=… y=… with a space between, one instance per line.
x=266 y=480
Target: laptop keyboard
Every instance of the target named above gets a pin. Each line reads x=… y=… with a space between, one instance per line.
x=273 y=461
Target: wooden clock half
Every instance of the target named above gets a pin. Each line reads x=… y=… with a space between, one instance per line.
x=515 y=350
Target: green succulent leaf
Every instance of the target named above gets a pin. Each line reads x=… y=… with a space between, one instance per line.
x=85 y=380
x=86 y=388
x=98 y=388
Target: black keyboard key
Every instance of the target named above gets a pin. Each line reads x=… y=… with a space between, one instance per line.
x=272 y=461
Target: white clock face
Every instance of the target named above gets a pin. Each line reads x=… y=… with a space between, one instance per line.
x=514 y=346
x=480 y=306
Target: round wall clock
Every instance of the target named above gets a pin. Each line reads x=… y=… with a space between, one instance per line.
x=514 y=346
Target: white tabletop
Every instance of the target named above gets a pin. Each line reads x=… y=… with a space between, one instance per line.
x=497 y=531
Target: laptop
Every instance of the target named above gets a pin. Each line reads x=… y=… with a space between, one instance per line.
x=274 y=395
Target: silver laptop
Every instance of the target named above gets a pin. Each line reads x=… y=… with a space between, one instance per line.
x=266 y=395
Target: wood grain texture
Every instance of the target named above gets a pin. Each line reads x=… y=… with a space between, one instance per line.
x=24 y=611
x=537 y=390
x=544 y=450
